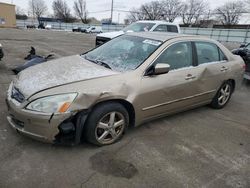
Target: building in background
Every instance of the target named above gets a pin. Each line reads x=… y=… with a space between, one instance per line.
x=7 y=15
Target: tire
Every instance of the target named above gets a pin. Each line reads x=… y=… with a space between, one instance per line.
x=223 y=95
x=106 y=124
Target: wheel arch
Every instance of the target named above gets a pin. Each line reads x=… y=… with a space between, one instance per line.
x=128 y=106
x=233 y=83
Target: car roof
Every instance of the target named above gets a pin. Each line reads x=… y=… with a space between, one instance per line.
x=164 y=36
x=156 y=21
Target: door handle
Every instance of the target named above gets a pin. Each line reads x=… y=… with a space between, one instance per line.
x=190 y=77
x=223 y=69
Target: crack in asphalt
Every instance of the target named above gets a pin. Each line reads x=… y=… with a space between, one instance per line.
x=231 y=120
x=89 y=178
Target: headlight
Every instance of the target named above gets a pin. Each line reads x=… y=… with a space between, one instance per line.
x=52 y=104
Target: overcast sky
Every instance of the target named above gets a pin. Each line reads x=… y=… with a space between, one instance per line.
x=95 y=6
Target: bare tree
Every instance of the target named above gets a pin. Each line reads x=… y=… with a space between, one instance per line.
x=81 y=10
x=247 y=3
x=20 y=14
x=193 y=10
x=149 y=11
x=19 y=10
x=230 y=12
x=134 y=15
x=37 y=8
x=153 y=10
x=61 y=10
x=172 y=9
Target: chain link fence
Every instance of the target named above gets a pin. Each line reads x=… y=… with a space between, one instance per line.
x=67 y=26
x=222 y=35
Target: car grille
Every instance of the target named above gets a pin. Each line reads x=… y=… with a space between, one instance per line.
x=101 y=40
x=17 y=95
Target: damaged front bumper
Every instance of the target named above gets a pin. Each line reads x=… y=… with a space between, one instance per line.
x=46 y=128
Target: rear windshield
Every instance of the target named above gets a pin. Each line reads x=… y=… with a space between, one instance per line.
x=137 y=27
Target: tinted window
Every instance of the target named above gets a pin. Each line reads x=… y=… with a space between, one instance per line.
x=172 y=28
x=207 y=52
x=161 y=28
x=166 y=28
x=137 y=27
x=177 y=56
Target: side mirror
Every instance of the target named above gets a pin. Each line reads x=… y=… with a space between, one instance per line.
x=160 y=68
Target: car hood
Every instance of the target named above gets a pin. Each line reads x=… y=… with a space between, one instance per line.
x=111 y=34
x=58 y=72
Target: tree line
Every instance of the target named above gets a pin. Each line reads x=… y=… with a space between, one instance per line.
x=191 y=12
x=61 y=10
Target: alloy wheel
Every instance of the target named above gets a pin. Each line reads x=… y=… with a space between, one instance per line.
x=224 y=94
x=110 y=127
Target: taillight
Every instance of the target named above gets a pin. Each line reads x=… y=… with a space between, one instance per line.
x=244 y=66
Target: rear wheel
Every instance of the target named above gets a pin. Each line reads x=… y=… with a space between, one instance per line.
x=106 y=124
x=223 y=95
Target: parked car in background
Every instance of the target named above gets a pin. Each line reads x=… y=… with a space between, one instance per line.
x=30 y=26
x=1 y=52
x=139 y=26
x=131 y=79
x=41 y=26
x=94 y=29
x=244 y=52
x=85 y=29
x=78 y=29
x=48 y=26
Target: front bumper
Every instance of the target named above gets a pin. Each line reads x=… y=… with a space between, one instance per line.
x=35 y=125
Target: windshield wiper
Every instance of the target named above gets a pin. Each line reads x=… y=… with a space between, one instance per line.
x=98 y=62
x=103 y=64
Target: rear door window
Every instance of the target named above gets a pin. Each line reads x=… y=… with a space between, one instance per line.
x=207 y=52
x=166 y=28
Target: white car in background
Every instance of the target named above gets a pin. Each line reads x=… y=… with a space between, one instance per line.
x=48 y=26
x=139 y=26
x=94 y=29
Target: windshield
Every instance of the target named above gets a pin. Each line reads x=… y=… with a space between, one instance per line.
x=137 y=27
x=123 y=53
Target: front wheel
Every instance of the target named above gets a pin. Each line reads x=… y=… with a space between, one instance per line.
x=106 y=124
x=223 y=95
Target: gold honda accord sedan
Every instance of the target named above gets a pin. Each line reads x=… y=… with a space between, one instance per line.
x=129 y=80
